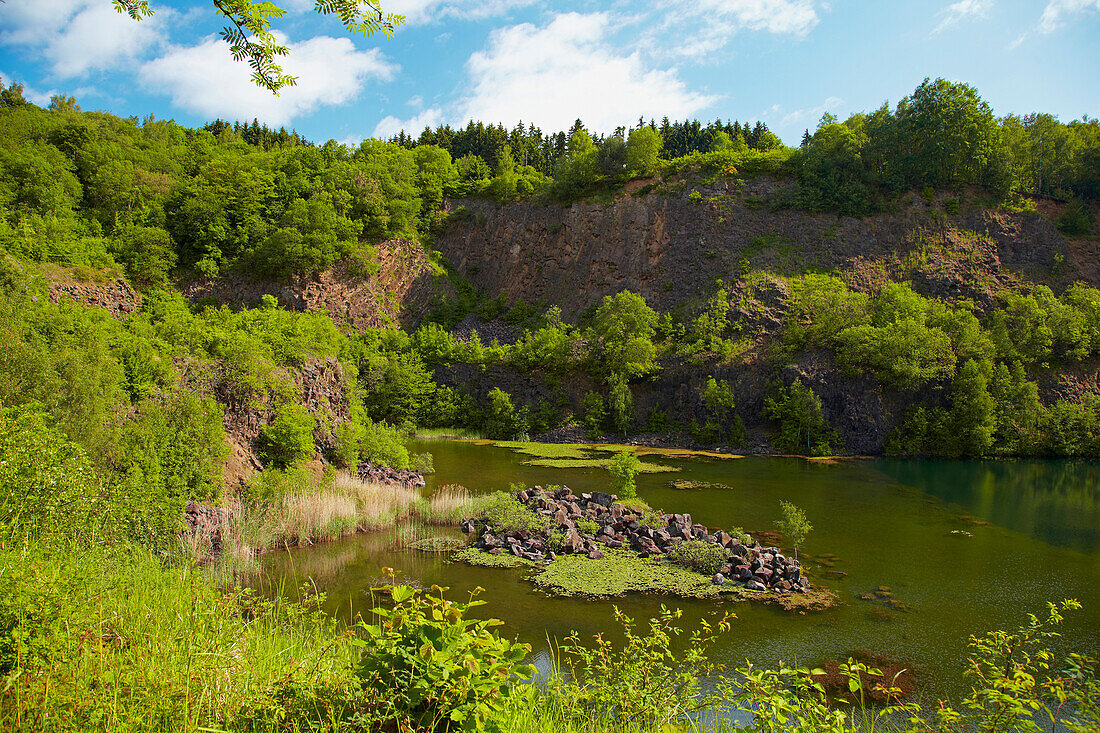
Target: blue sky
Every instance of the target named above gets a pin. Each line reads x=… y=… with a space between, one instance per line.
x=783 y=61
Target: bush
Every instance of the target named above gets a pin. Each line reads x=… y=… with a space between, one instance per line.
x=506 y=515
x=382 y=445
x=1076 y=220
x=697 y=555
x=425 y=666
x=288 y=438
x=802 y=428
x=624 y=467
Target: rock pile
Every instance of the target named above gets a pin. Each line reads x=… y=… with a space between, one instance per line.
x=751 y=566
x=391 y=476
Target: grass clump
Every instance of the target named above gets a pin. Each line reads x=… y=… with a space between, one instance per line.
x=701 y=557
x=620 y=572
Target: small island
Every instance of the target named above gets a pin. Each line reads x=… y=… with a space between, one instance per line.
x=595 y=545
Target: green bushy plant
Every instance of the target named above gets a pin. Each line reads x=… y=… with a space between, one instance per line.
x=697 y=555
x=425 y=666
x=288 y=438
x=624 y=468
x=506 y=515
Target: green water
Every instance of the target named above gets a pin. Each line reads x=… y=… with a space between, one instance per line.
x=887 y=522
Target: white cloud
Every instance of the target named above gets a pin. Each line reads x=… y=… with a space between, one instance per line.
x=962 y=10
x=1057 y=12
x=701 y=27
x=30 y=94
x=390 y=125
x=789 y=125
x=427 y=11
x=567 y=69
x=78 y=36
x=206 y=80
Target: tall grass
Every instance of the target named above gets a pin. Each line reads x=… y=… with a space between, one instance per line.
x=303 y=515
x=118 y=641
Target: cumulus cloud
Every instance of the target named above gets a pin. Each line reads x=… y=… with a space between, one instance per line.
x=566 y=69
x=426 y=11
x=962 y=10
x=78 y=36
x=206 y=80
x=390 y=125
x=701 y=27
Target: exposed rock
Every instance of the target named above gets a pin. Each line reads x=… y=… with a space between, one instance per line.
x=391 y=476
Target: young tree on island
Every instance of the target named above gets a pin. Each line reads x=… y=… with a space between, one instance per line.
x=793 y=525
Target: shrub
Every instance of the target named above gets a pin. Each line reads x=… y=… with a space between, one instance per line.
x=381 y=444
x=288 y=438
x=594 y=412
x=506 y=515
x=802 y=428
x=624 y=467
x=422 y=462
x=588 y=526
x=427 y=667
x=697 y=555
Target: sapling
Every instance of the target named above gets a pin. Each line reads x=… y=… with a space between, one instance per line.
x=793 y=525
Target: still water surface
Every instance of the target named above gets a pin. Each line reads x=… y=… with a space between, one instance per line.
x=1034 y=537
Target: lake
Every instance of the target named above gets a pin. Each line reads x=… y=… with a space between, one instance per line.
x=966 y=546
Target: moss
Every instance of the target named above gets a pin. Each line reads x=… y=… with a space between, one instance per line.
x=620 y=572
x=475 y=556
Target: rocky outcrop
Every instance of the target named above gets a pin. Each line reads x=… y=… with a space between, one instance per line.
x=391 y=476
x=95 y=289
x=672 y=249
x=398 y=293
x=619 y=526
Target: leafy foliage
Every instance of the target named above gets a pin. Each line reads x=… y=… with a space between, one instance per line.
x=426 y=666
x=697 y=555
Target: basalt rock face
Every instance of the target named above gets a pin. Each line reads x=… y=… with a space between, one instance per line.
x=391 y=476
x=672 y=249
x=398 y=292
x=751 y=566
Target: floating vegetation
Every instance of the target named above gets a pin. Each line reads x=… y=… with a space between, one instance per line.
x=596 y=463
x=686 y=485
x=474 y=556
x=620 y=572
x=573 y=455
x=545 y=450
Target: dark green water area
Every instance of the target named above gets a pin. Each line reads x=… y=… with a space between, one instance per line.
x=963 y=546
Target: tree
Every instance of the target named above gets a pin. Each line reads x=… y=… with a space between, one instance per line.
x=147 y=253
x=251 y=36
x=802 y=427
x=620 y=402
x=973 y=414
x=793 y=525
x=643 y=149
x=625 y=325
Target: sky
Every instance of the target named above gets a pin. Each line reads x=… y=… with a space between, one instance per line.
x=784 y=62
